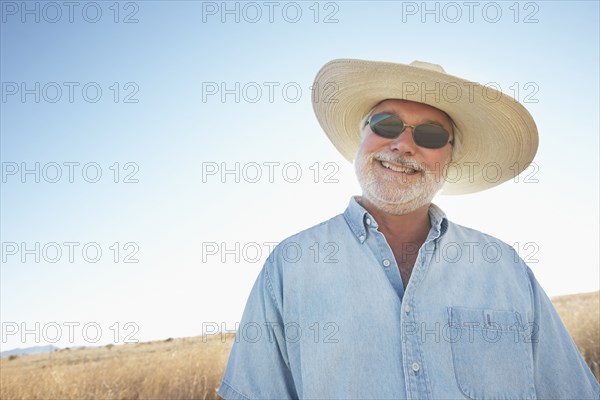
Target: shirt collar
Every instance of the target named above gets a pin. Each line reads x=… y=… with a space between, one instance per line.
x=355 y=216
x=439 y=221
x=359 y=220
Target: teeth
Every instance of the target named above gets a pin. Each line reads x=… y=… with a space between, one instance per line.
x=398 y=168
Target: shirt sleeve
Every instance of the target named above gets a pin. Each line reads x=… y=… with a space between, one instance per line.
x=258 y=366
x=560 y=371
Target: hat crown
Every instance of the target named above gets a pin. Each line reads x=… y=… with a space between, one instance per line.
x=426 y=65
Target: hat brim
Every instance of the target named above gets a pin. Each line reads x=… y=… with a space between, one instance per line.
x=496 y=138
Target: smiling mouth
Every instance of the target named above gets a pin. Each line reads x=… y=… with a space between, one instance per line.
x=398 y=168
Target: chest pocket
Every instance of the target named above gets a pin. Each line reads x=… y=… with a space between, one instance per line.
x=491 y=353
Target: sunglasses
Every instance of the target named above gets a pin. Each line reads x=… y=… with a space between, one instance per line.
x=430 y=136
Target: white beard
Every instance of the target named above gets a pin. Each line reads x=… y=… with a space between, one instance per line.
x=395 y=193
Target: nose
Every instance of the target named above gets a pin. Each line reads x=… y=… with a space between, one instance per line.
x=404 y=144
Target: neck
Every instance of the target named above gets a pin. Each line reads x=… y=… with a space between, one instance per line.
x=412 y=227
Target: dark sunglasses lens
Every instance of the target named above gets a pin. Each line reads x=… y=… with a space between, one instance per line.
x=386 y=125
x=431 y=136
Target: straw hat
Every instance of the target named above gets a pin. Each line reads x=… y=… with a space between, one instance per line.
x=495 y=137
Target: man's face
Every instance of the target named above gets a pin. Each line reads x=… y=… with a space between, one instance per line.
x=396 y=175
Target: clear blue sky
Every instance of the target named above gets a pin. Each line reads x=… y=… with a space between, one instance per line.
x=139 y=101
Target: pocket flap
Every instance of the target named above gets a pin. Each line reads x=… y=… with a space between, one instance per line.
x=484 y=318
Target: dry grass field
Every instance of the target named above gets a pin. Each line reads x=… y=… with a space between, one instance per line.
x=185 y=368
x=190 y=368
x=581 y=315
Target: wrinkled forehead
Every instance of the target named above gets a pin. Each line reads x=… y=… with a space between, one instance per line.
x=406 y=106
x=401 y=106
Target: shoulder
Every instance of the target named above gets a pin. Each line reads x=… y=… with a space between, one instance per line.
x=457 y=233
x=300 y=248
x=486 y=250
x=322 y=231
x=490 y=264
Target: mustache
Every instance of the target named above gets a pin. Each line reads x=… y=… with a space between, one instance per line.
x=402 y=161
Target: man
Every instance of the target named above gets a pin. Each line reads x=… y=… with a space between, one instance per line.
x=390 y=299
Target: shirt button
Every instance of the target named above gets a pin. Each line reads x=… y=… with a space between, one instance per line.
x=386 y=263
x=361 y=238
x=368 y=221
x=415 y=366
x=406 y=308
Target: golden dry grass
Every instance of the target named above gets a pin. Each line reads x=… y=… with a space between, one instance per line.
x=581 y=315
x=184 y=368
x=191 y=368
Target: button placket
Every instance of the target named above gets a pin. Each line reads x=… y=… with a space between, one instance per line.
x=416 y=379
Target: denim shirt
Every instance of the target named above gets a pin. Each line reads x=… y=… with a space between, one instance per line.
x=328 y=318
